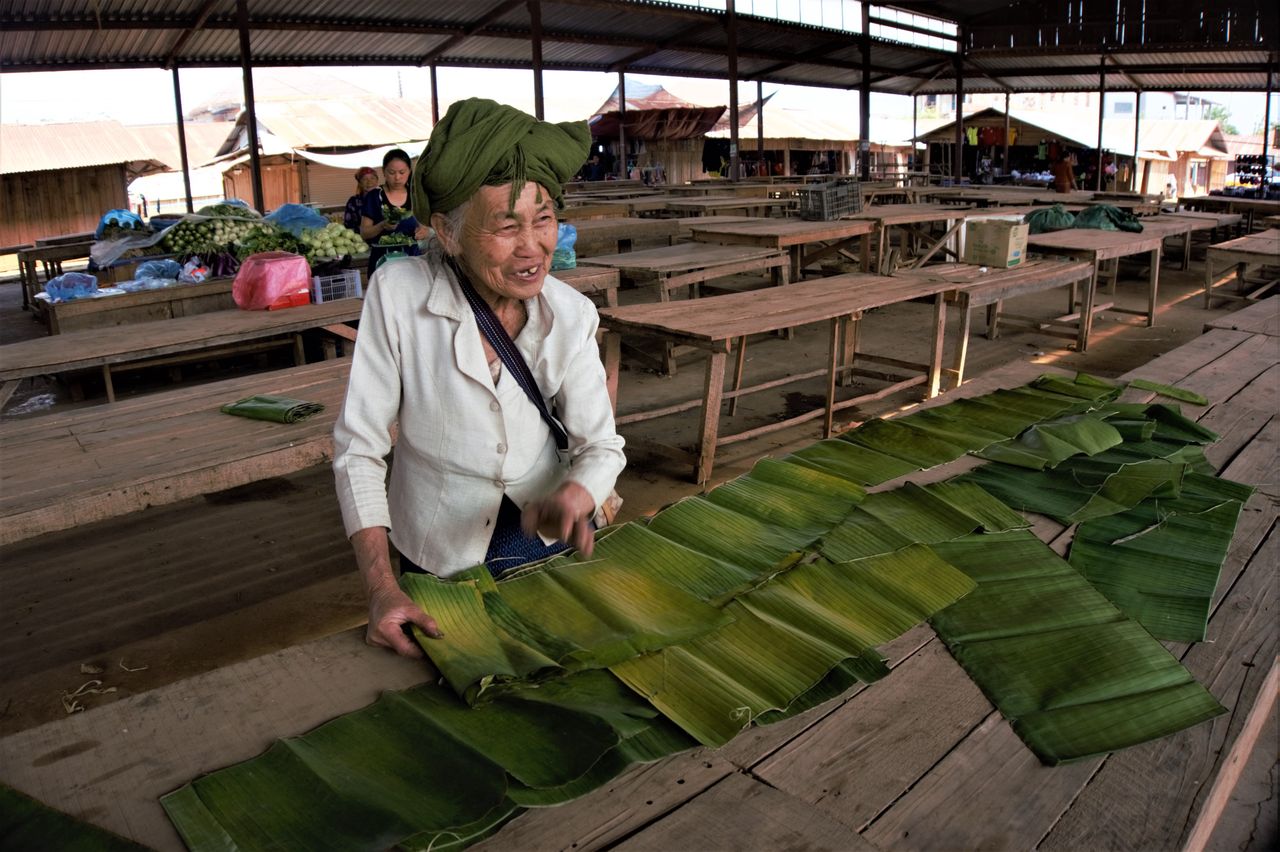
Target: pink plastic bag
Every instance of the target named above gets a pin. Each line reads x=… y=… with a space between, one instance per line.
x=272 y=279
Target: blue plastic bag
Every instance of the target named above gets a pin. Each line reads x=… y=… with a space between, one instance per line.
x=296 y=218
x=71 y=285
x=564 y=256
x=158 y=269
x=124 y=219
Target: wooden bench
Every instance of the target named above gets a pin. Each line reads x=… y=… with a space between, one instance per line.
x=1252 y=251
x=153 y=343
x=1262 y=317
x=722 y=323
x=63 y=470
x=179 y=300
x=49 y=259
x=791 y=235
x=592 y=281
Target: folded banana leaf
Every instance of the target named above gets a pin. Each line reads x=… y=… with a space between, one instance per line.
x=787 y=636
x=1050 y=443
x=1159 y=562
x=1075 y=677
x=1169 y=391
x=273 y=407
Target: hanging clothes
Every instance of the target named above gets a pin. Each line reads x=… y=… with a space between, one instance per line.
x=972 y=133
x=1042 y=150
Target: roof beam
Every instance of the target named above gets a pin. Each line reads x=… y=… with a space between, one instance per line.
x=985 y=73
x=201 y=17
x=1106 y=57
x=656 y=47
x=482 y=23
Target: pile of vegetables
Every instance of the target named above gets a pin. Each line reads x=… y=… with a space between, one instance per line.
x=195 y=237
x=263 y=236
x=333 y=240
x=395 y=238
x=116 y=230
x=224 y=208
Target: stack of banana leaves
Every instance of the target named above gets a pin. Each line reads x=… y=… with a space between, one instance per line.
x=769 y=595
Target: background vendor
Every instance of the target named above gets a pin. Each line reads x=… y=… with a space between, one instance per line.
x=388 y=223
x=366 y=182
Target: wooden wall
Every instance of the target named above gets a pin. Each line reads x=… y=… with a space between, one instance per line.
x=281 y=184
x=59 y=201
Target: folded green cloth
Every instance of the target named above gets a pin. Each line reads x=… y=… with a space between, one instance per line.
x=278 y=409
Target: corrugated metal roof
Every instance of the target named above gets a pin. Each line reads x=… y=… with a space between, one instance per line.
x=44 y=147
x=1230 y=51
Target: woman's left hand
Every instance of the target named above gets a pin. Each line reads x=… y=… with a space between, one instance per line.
x=565 y=514
x=420 y=232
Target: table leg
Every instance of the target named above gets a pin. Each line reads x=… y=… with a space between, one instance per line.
x=739 y=365
x=833 y=367
x=1153 y=286
x=1086 y=308
x=866 y=252
x=612 y=360
x=710 y=428
x=1208 y=279
x=849 y=346
x=106 y=380
x=797 y=271
x=935 y=346
x=993 y=316
x=1186 y=251
x=299 y=354
x=962 y=346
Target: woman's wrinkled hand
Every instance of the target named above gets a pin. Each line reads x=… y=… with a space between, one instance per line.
x=390 y=610
x=565 y=515
x=421 y=232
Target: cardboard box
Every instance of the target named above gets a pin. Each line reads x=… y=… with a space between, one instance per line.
x=998 y=243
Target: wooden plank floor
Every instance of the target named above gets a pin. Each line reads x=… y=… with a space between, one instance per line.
x=918 y=760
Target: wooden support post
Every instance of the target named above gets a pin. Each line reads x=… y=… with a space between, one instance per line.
x=535 y=45
x=182 y=139
x=731 y=32
x=435 y=97
x=250 y=108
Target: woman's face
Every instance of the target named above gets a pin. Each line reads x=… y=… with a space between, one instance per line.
x=368 y=181
x=506 y=250
x=396 y=174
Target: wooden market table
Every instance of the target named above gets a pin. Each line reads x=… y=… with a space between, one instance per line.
x=178 y=300
x=1223 y=224
x=63 y=470
x=1252 y=251
x=618 y=233
x=204 y=336
x=1098 y=247
x=1253 y=209
x=1262 y=317
x=592 y=281
x=794 y=235
x=722 y=323
x=919 y=759
x=977 y=287
x=909 y=218
x=754 y=205
x=49 y=258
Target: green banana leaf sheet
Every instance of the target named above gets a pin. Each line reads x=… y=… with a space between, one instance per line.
x=1074 y=675
x=1159 y=562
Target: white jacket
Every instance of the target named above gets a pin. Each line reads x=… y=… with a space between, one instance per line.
x=463 y=442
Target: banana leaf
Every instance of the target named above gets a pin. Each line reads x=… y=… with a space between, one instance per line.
x=28 y=824
x=852 y=462
x=1075 y=677
x=1048 y=444
x=1159 y=562
x=1169 y=391
x=1169 y=423
x=892 y=520
x=900 y=439
x=788 y=636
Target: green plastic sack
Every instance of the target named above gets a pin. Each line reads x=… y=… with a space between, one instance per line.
x=1055 y=218
x=277 y=409
x=1104 y=217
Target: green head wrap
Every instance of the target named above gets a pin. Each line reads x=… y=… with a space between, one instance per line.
x=480 y=142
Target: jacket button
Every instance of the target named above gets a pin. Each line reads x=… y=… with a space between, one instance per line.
x=494 y=406
x=498 y=483
x=502 y=448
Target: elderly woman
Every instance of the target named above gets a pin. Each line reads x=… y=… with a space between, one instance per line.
x=487 y=369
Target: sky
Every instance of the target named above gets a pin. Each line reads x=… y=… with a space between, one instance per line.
x=145 y=96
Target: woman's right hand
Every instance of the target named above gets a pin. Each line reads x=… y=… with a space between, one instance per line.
x=390 y=610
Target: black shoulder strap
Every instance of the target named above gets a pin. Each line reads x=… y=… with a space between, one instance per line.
x=502 y=344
